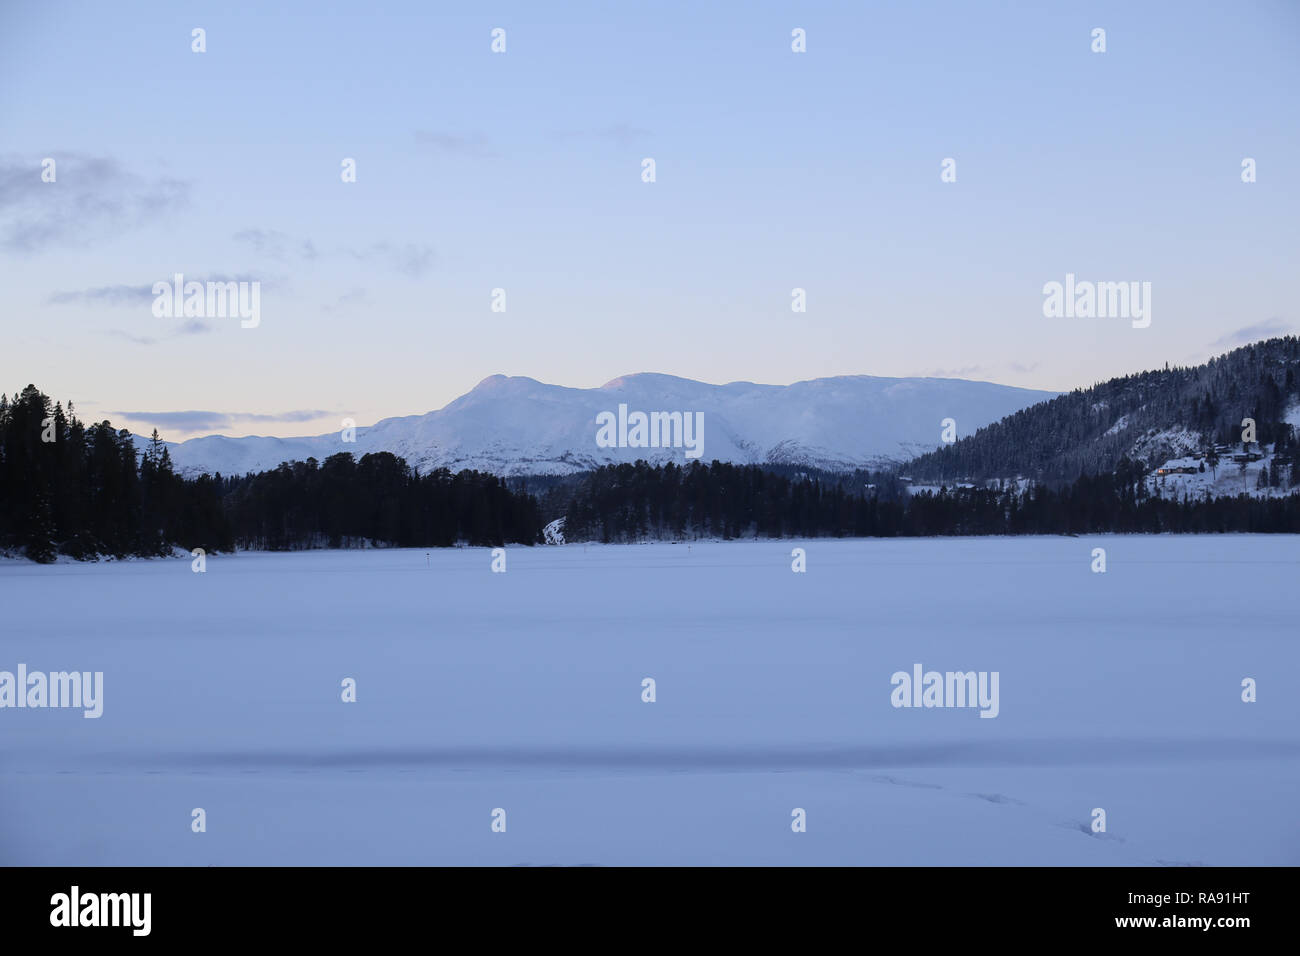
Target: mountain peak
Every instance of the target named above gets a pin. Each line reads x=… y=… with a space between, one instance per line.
x=648 y=379
x=498 y=381
x=515 y=425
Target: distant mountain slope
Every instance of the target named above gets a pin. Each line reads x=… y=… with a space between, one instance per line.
x=519 y=426
x=1152 y=417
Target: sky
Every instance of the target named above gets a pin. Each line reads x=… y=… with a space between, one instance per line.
x=523 y=170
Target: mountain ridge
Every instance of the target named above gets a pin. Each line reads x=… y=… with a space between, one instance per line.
x=518 y=425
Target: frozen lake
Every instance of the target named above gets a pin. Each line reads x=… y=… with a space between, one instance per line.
x=523 y=691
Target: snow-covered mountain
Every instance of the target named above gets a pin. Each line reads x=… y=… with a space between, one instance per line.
x=519 y=426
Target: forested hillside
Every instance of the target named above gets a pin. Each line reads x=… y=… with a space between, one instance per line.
x=1144 y=416
x=623 y=503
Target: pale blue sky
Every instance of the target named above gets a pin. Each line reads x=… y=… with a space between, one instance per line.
x=522 y=171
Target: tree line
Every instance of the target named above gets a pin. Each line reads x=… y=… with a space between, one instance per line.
x=625 y=503
x=86 y=491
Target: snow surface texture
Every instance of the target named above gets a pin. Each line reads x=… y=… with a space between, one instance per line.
x=519 y=426
x=522 y=691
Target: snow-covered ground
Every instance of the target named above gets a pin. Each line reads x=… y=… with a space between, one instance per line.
x=523 y=691
x=1228 y=479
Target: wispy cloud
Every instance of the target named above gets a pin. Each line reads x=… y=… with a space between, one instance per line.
x=986 y=372
x=276 y=245
x=210 y=421
x=112 y=295
x=964 y=372
x=620 y=134
x=478 y=146
x=1267 y=329
x=130 y=337
x=91 y=198
x=134 y=295
x=410 y=259
x=347 y=299
x=140 y=297
x=188 y=327
x=475 y=145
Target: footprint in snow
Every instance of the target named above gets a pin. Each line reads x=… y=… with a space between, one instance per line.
x=1086 y=830
x=998 y=798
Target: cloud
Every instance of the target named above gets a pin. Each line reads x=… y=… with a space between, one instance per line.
x=210 y=421
x=984 y=371
x=409 y=259
x=137 y=339
x=121 y=296
x=91 y=198
x=353 y=297
x=963 y=372
x=276 y=245
x=1267 y=329
x=141 y=298
x=188 y=327
x=478 y=146
x=113 y=295
x=620 y=134
x=475 y=145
